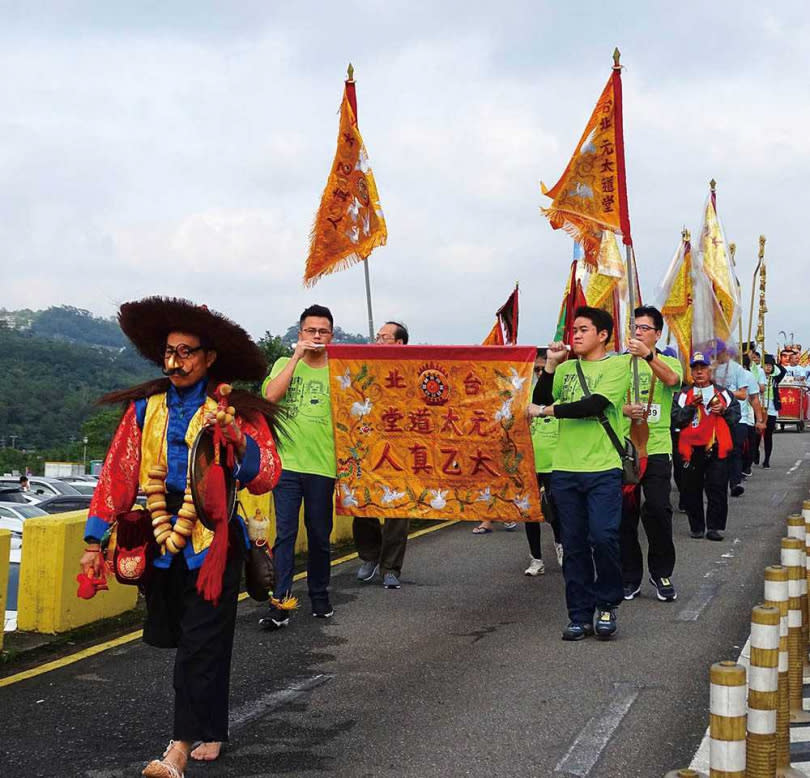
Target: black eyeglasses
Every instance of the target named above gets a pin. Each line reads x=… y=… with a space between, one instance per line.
x=181 y=351
x=645 y=328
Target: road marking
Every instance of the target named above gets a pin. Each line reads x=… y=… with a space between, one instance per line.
x=699 y=601
x=798 y=463
x=86 y=653
x=595 y=735
x=255 y=709
x=777 y=497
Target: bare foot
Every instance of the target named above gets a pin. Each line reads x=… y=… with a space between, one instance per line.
x=206 y=752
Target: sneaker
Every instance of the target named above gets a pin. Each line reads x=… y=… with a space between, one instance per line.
x=275 y=619
x=367 y=571
x=536 y=567
x=576 y=631
x=322 y=609
x=748 y=473
x=664 y=589
x=390 y=581
x=510 y=526
x=737 y=490
x=606 y=624
x=696 y=535
x=766 y=464
x=713 y=534
x=559 y=551
x=631 y=591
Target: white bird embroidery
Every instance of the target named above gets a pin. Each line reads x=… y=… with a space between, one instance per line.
x=390 y=495
x=361 y=409
x=345 y=379
x=347 y=498
x=516 y=380
x=438 y=502
x=505 y=412
x=522 y=502
x=484 y=496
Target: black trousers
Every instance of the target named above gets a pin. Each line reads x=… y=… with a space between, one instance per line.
x=739 y=435
x=656 y=517
x=767 y=436
x=384 y=545
x=750 y=446
x=178 y=617
x=549 y=513
x=706 y=473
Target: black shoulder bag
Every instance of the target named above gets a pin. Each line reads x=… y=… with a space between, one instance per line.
x=631 y=467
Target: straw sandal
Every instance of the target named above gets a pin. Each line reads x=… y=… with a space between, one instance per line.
x=161 y=768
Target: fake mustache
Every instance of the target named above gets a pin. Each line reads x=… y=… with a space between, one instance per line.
x=176 y=371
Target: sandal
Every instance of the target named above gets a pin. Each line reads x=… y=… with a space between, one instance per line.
x=200 y=743
x=481 y=531
x=160 y=768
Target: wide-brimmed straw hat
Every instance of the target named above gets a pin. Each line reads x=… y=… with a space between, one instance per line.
x=148 y=322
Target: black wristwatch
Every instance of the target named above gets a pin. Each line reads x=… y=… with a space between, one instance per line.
x=651 y=356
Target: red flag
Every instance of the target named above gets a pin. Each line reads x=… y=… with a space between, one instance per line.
x=505 y=330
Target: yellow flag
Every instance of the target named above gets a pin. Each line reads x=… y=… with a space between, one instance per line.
x=349 y=224
x=717 y=266
x=677 y=308
x=610 y=271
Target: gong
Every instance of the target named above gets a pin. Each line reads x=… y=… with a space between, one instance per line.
x=202 y=464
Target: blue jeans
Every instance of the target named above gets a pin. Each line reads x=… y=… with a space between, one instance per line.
x=316 y=492
x=589 y=509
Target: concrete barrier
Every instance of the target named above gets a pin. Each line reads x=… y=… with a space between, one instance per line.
x=47 y=600
x=52 y=546
x=5 y=550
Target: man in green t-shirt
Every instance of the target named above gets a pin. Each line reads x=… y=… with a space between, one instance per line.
x=664 y=374
x=586 y=476
x=300 y=385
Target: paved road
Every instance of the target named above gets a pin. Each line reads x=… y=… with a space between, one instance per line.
x=461 y=673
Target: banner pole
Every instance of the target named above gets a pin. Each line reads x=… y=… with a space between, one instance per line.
x=368 y=302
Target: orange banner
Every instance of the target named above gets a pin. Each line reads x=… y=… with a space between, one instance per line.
x=588 y=197
x=349 y=224
x=433 y=432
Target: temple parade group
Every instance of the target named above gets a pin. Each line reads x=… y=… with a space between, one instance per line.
x=631 y=407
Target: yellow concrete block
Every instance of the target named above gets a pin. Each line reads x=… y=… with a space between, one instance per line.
x=5 y=550
x=47 y=600
x=341 y=530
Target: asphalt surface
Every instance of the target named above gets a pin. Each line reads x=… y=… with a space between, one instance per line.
x=460 y=673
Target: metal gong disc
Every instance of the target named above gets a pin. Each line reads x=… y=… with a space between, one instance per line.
x=202 y=465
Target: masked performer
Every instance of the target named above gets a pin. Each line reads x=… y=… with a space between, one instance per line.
x=192 y=585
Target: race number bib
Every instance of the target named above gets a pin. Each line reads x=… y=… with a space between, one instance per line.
x=654 y=415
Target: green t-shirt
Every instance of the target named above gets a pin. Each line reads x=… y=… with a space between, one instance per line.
x=660 y=441
x=545 y=433
x=309 y=445
x=584 y=446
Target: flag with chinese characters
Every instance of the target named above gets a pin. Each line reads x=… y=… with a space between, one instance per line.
x=349 y=224
x=433 y=432
x=716 y=262
x=591 y=195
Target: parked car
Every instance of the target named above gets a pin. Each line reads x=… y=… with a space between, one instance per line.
x=83 y=487
x=40 y=485
x=65 y=502
x=12 y=517
x=11 y=494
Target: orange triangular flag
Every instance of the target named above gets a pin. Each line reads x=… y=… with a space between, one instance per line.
x=349 y=224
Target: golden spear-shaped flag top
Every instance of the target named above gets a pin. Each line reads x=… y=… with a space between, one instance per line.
x=349 y=224
x=591 y=194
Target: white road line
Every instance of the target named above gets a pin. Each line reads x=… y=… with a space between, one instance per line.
x=254 y=709
x=702 y=597
x=798 y=463
x=595 y=735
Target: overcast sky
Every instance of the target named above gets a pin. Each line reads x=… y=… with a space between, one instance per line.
x=182 y=147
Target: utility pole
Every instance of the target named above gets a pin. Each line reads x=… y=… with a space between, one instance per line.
x=13 y=439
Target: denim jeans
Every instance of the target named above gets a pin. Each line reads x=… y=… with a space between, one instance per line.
x=589 y=509
x=316 y=491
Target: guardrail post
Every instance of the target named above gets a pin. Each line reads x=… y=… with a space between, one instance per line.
x=791 y=552
x=796 y=529
x=727 y=720
x=763 y=683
